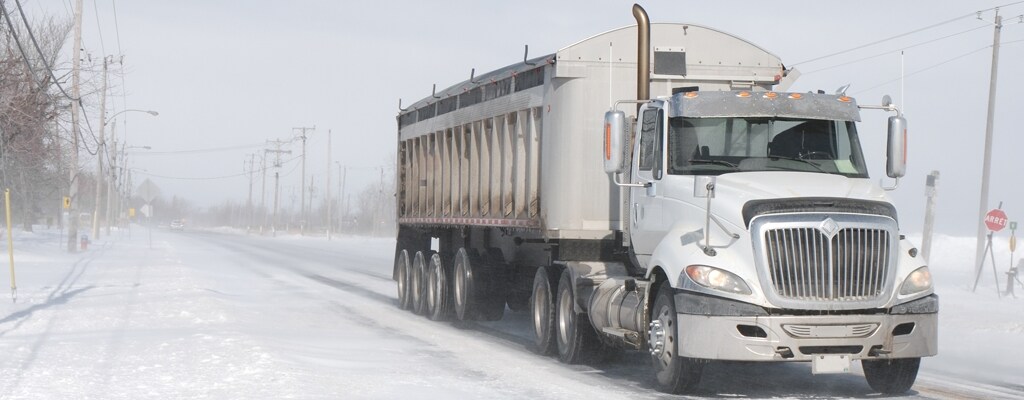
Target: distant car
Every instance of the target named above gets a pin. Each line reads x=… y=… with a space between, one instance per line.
x=178 y=225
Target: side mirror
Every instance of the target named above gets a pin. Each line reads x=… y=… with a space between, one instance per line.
x=896 y=156
x=615 y=141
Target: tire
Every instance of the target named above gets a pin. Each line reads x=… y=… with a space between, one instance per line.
x=542 y=310
x=403 y=267
x=464 y=287
x=894 y=376
x=477 y=292
x=418 y=282
x=437 y=287
x=577 y=341
x=674 y=374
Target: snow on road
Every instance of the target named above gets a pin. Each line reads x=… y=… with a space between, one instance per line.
x=207 y=315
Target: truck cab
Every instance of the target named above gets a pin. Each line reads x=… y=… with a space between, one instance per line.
x=753 y=214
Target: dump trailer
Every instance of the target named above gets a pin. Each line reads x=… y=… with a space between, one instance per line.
x=649 y=189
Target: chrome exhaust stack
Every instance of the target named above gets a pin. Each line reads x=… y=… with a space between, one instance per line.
x=643 y=53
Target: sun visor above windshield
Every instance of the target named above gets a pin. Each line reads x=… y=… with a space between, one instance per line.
x=764 y=104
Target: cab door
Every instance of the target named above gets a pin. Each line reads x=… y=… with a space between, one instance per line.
x=646 y=219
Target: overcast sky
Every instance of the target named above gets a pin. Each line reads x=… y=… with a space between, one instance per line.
x=236 y=74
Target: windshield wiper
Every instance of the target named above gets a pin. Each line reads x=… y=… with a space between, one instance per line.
x=708 y=161
x=816 y=166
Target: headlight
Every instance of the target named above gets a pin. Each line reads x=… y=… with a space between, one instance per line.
x=714 y=278
x=918 y=281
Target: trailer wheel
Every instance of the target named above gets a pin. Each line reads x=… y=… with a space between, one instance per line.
x=418 y=282
x=543 y=309
x=465 y=285
x=675 y=374
x=577 y=341
x=403 y=267
x=891 y=376
x=437 y=288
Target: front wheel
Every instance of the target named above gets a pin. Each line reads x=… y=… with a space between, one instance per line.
x=675 y=374
x=891 y=376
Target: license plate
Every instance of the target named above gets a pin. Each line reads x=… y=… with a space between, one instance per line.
x=830 y=364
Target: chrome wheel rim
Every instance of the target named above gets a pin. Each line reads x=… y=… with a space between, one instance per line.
x=566 y=316
x=540 y=311
x=661 y=337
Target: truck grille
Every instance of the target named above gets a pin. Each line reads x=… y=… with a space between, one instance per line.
x=805 y=264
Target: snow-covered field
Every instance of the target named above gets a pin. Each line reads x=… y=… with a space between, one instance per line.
x=220 y=315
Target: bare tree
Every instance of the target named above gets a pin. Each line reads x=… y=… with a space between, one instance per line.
x=30 y=111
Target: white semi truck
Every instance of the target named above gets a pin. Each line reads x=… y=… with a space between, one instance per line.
x=717 y=219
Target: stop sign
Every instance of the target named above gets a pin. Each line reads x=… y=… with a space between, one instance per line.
x=995 y=220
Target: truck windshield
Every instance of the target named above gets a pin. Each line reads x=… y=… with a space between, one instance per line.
x=715 y=146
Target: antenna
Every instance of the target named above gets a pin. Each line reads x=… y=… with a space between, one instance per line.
x=400 y=105
x=433 y=92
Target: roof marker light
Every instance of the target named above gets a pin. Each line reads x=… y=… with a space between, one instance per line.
x=690 y=95
x=795 y=96
x=844 y=99
x=771 y=95
x=743 y=94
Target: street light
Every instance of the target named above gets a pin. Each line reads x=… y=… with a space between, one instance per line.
x=113 y=164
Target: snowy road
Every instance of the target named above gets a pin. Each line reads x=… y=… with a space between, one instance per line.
x=209 y=315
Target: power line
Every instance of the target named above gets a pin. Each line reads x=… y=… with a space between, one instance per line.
x=199 y=151
x=191 y=179
x=894 y=51
x=972 y=14
x=925 y=69
x=99 y=29
x=210 y=178
x=884 y=40
x=24 y=56
x=117 y=29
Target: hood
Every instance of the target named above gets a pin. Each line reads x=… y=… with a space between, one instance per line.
x=733 y=190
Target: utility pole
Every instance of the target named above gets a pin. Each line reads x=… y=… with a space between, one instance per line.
x=987 y=161
x=343 y=171
x=929 y=214
x=100 y=149
x=302 y=205
x=112 y=183
x=327 y=187
x=76 y=104
x=277 y=178
x=312 y=180
x=263 y=191
x=248 y=223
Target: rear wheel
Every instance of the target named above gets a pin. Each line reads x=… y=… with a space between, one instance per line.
x=478 y=291
x=675 y=374
x=403 y=267
x=891 y=376
x=417 y=283
x=465 y=284
x=543 y=310
x=577 y=340
x=437 y=285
